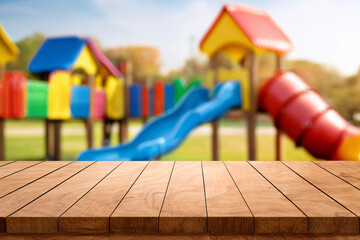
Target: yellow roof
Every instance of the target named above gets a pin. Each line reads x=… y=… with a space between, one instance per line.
x=8 y=49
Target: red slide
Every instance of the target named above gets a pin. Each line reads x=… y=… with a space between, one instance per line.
x=307 y=119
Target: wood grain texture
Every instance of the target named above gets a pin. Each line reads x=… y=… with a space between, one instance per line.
x=3 y=163
x=325 y=215
x=14 y=201
x=342 y=192
x=349 y=171
x=181 y=199
x=184 y=209
x=273 y=213
x=28 y=175
x=227 y=210
x=139 y=211
x=91 y=214
x=41 y=216
x=180 y=237
x=16 y=167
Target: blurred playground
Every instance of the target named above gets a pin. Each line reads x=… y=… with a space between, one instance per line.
x=125 y=119
x=196 y=146
x=74 y=100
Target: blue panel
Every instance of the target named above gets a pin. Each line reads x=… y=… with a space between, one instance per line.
x=169 y=96
x=167 y=132
x=151 y=101
x=135 y=100
x=80 y=102
x=57 y=53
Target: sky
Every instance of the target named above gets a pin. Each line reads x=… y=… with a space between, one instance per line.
x=324 y=31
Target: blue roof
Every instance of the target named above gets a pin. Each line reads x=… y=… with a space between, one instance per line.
x=57 y=53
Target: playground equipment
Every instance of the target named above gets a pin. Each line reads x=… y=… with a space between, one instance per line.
x=167 y=132
x=77 y=82
x=243 y=32
x=307 y=119
x=83 y=84
x=70 y=65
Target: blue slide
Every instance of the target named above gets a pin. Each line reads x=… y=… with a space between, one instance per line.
x=165 y=133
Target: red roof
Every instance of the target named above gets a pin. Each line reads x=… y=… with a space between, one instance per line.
x=258 y=26
x=103 y=59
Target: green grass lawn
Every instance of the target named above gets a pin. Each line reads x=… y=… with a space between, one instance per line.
x=195 y=147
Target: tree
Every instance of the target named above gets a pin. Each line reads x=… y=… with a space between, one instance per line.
x=145 y=60
x=28 y=47
x=318 y=76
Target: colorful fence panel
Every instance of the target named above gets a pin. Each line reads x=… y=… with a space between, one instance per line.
x=135 y=100
x=169 y=96
x=59 y=95
x=114 y=89
x=99 y=103
x=14 y=89
x=37 y=99
x=145 y=102
x=80 y=102
x=159 y=98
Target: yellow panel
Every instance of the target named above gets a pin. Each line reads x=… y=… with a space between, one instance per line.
x=114 y=89
x=76 y=79
x=242 y=75
x=349 y=149
x=227 y=36
x=8 y=49
x=235 y=52
x=59 y=95
x=86 y=62
x=98 y=82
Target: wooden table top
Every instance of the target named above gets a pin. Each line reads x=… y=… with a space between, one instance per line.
x=179 y=197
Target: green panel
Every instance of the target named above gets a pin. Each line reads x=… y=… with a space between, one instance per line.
x=179 y=89
x=37 y=99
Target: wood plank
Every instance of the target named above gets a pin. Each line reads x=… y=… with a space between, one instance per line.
x=179 y=237
x=342 y=192
x=41 y=216
x=28 y=175
x=184 y=209
x=16 y=167
x=91 y=214
x=139 y=211
x=227 y=210
x=14 y=201
x=349 y=171
x=325 y=215
x=3 y=163
x=273 y=213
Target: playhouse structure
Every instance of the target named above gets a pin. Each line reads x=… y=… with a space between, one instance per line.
x=76 y=81
x=78 y=75
x=243 y=32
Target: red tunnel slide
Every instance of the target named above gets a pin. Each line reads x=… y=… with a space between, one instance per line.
x=307 y=119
